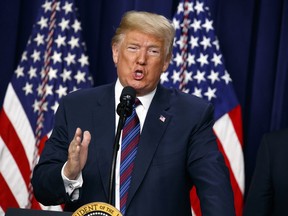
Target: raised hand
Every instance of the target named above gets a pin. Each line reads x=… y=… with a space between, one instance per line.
x=77 y=154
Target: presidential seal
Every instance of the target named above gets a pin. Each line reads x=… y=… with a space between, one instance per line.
x=97 y=209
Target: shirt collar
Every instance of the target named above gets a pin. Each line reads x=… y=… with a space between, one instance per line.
x=145 y=100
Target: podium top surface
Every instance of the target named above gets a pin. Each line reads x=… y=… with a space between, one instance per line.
x=31 y=212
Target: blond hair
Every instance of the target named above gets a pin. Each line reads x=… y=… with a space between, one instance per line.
x=148 y=23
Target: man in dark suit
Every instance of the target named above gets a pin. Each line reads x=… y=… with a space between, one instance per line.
x=268 y=192
x=177 y=147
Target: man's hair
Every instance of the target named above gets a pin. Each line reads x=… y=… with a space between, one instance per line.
x=149 y=23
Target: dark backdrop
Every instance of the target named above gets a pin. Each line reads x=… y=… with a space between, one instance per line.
x=253 y=36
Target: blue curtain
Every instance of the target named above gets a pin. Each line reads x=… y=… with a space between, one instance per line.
x=253 y=37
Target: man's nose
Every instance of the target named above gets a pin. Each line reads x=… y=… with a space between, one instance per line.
x=142 y=57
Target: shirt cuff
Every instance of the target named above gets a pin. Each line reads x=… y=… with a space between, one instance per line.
x=72 y=186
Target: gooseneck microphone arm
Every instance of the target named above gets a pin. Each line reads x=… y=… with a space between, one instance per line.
x=124 y=110
x=116 y=145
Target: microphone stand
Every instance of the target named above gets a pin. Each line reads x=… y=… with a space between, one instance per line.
x=120 y=126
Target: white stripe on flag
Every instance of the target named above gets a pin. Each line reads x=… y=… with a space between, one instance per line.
x=2 y=213
x=14 y=111
x=12 y=175
x=225 y=132
x=193 y=213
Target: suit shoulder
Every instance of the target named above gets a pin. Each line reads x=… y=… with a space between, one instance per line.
x=89 y=93
x=279 y=134
x=279 y=137
x=186 y=104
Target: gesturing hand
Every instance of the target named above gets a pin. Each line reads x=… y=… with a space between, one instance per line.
x=77 y=154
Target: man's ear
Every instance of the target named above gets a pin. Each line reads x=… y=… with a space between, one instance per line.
x=166 y=63
x=115 y=52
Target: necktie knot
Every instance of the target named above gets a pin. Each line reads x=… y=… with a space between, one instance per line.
x=137 y=102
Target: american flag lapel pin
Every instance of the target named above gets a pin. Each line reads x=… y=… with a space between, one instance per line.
x=162 y=118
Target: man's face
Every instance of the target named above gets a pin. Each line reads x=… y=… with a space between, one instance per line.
x=140 y=60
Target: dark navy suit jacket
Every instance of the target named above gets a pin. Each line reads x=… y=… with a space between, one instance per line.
x=268 y=192
x=174 y=153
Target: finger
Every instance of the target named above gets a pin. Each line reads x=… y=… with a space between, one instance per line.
x=77 y=136
x=84 y=148
x=76 y=142
x=73 y=165
x=86 y=139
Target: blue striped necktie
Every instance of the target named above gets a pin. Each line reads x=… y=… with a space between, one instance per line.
x=130 y=140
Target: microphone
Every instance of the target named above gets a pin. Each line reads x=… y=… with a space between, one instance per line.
x=124 y=110
x=127 y=100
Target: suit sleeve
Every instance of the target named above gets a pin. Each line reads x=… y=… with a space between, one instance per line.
x=47 y=181
x=259 y=198
x=208 y=170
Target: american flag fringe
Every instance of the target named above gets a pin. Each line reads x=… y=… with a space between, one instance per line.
x=197 y=68
x=53 y=64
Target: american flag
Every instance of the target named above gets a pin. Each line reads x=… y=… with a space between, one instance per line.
x=197 y=68
x=53 y=64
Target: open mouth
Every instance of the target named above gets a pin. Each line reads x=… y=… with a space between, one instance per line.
x=138 y=74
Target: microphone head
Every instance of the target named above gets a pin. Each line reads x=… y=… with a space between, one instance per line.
x=128 y=94
x=127 y=100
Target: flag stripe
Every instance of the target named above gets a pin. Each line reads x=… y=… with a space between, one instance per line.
x=41 y=144
x=35 y=204
x=235 y=116
x=193 y=212
x=12 y=176
x=53 y=64
x=238 y=195
x=198 y=68
x=1 y=210
x=195 y=202
x=6 y=197
x=18 y=118
x=226 y=134
x=14 y=146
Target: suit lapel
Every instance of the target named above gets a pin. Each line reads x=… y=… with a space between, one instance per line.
x=154 y=127
x=104 y=118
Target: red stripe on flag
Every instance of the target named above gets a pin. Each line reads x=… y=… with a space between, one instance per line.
x=41 y=144
x=235 y=116
x=6 y=196
x=195 y=202
x=238 y=196
x=14 y=145
x=35 y=204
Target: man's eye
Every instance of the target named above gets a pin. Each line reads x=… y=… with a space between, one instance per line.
x=132 y=48
x=154 y=52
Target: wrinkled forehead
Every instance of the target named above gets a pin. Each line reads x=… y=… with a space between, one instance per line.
x=142 y=39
